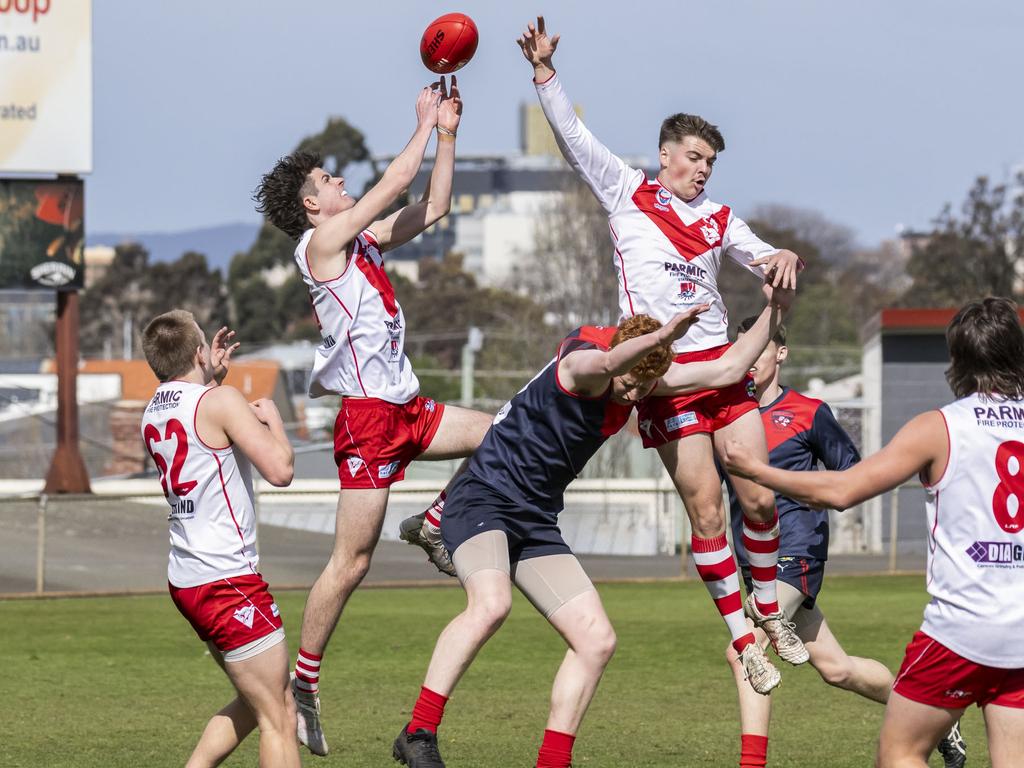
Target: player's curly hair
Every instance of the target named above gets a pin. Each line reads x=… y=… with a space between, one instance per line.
x=656 y=363
x=170 y=342
x=280 y=192
x=986 y=350
x=680 y=125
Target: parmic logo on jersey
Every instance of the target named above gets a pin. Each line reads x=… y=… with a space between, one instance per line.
x=1000 y=416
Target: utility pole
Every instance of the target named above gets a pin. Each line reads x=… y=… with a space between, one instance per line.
x=474 y=343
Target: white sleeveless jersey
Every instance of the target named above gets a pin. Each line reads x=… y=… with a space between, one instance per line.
x=667 y=251
x=976 y=535
x=362 y=352
x=209 y=490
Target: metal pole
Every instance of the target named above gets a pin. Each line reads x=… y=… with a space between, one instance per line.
x=41 y=544
x=126 y=338
x=894 y=524
x=67 y=473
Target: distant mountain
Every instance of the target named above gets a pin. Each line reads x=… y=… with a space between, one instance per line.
x=218 y=243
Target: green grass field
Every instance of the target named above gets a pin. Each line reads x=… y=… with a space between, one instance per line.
x=124 y=682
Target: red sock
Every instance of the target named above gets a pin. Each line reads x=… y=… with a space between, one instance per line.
x=428 y=711
x=762 y=543
x=717 y=569
x=753 y=751
x=307 y=672
x=555 y=750
x=435 y=510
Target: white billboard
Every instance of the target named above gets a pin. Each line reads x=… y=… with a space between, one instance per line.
x=45 y=86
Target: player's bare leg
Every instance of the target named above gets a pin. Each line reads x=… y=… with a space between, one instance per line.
x=263 y=701
x=690 y=462
x=584 y=625
x=358 y=522
x=488 y=602
x=225 y=730
x=910 y=732
x=1005 y=726
x=761 y=540
x=458 y=435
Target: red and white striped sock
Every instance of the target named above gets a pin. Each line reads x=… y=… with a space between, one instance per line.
x=434 y=511
x=761 y=541
x=307 y=672
x=717 y=570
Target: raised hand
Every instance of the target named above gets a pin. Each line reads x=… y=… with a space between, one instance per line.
x=450 y=111
x=536 y=46
x=780 y=269
x=780 y=297
x=426 y=106
x=677 y=327
x=220 y=353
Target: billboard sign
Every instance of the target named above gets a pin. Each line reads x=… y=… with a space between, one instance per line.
x=45 y=86
x=41 y=233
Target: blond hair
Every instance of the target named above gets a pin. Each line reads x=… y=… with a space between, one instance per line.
x=170 y=342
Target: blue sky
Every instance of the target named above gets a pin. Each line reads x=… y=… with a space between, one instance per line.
x=874 y=112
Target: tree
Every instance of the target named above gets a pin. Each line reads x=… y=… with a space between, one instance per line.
x=446 y=302
x=569 y=270
x=972 y=255
x=133 y=289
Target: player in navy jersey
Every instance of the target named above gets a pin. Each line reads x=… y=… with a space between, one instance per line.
x=500 y=520
x=802 y=432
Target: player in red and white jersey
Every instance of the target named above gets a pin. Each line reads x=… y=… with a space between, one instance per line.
x=383 y=423
x=669 y=240
x=202 y=437
x=970 y=456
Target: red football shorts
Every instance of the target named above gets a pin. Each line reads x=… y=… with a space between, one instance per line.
x=375 y=440
x=934 y=675
x=667 y=418
x=229 y=612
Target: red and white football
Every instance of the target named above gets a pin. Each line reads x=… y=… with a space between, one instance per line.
x=448 y=43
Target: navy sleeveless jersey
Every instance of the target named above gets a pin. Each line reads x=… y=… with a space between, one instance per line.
x=801 y=431
x=542 y=438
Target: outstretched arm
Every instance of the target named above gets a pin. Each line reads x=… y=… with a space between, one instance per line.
x=921 y=447
x=331 y=239
x=588 y=371
x=606 y=174
x=731 y=367
x=405 y=224
x=777 y=266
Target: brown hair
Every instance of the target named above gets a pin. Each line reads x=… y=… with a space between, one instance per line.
x=748 y=322
x=170 y=342
x=657 y=361
x=986 y=350
x=677 y=127
x=280 y=192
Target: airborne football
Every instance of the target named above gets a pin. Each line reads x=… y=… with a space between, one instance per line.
x=448 y=43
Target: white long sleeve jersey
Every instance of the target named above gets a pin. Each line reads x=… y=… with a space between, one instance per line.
x=667 y=251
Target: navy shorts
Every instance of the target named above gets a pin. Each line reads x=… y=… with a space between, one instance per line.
x=473 y=507
x=802 y=573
